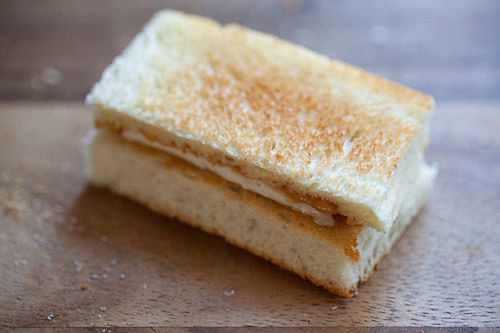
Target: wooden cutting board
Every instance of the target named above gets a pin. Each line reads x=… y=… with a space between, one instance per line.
x=58 y=236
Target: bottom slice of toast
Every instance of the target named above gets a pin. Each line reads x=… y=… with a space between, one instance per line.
x=337 y=258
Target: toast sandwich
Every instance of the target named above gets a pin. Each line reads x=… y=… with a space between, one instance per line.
x=306 y=161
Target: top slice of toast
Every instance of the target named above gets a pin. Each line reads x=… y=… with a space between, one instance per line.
x=293 y=118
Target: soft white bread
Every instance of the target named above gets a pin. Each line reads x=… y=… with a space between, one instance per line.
x=315 y=127
x=337 y=258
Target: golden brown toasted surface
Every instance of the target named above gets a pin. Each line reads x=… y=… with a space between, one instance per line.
x=244 y=90
x=266 y=98
x=314 y=125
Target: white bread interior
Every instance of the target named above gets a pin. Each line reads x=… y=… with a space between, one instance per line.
x=337 y=258
x=281 y=113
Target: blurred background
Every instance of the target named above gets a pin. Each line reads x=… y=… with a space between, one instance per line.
x=56 y=49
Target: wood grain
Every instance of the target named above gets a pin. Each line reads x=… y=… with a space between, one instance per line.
x=57 y=49
x=57 y=233
x=314 y=329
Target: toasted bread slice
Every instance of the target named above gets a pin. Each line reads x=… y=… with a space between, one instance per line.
x=337 y=258
x=318 y=129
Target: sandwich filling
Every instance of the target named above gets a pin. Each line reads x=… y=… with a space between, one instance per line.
x=230 y=174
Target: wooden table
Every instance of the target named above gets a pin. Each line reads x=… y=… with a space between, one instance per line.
x=59 y=235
